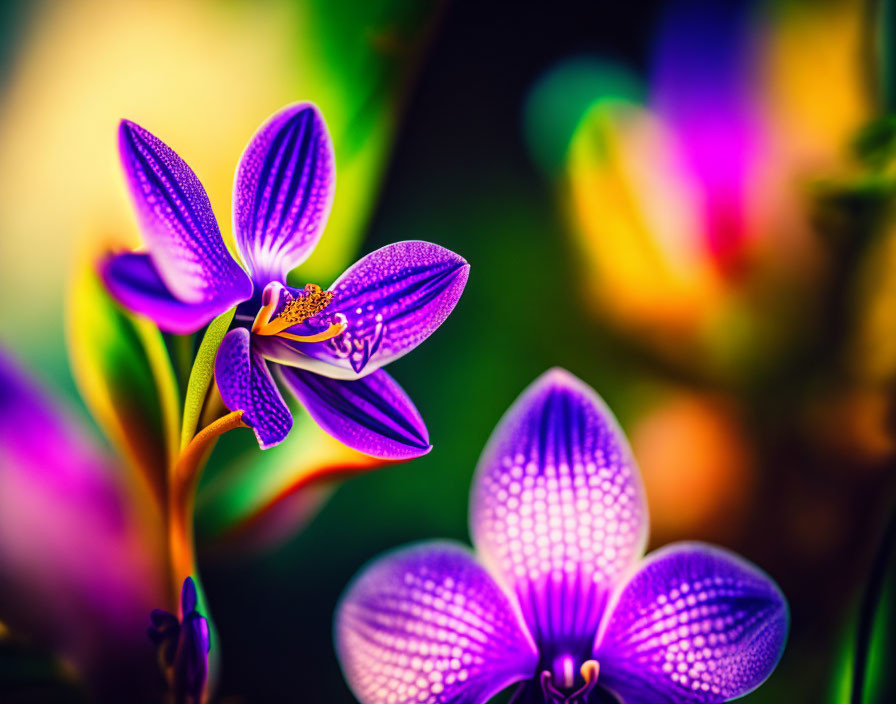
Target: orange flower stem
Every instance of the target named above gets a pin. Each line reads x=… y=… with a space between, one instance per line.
x=182 y=495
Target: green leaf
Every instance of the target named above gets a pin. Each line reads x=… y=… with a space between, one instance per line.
x=123 y=372
x=201 y=375
x=873 y=678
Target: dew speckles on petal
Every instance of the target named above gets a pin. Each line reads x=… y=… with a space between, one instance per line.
x=394 y=298
x=699 y=618
x=178 y=224
x=429 y=624
x=246 y=385
x=578 y=516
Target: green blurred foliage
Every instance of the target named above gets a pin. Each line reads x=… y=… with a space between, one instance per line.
x=125 y=378
x=560 y=98
x=356 y=59
x=870 y=677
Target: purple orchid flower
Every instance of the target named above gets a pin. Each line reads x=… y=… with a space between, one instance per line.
x=558 y=596
x=183 y=646
x=327 y=346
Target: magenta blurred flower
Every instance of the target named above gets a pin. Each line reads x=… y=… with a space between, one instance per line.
x=183 y=644
x=326 y=345
x=80 y=545
x=558 y=596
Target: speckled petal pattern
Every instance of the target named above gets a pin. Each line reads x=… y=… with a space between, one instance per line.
x=246 y=385
x=178 y=225
x=427 y=624
x=372 y=415
x=392 y=299
x=283 y=192
x=559 y=520
x=557 y=510
x=696 y=624
x=132 y=280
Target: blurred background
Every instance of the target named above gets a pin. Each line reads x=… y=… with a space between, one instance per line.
x=687 y=204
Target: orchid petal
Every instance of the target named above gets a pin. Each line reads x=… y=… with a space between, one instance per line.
x=392 y=299
x=283 y=192
x=696 y=624
x=557 y=510
x=372 y=415
x=178 y=225
x=79 y=573
x=428 y=624
x=134 y=282
x=245 y=383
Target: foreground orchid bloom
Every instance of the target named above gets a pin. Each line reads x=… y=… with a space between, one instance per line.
x=558 y=596
x=328 y=345
x=183 y=646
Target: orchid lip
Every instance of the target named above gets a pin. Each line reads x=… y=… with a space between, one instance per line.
x=564 y=672
x=297 y=310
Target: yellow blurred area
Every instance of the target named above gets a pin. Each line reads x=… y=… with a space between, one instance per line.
x=202 y=76
x=638 y=215
x=873 y=352
x=814 y=82
x=697 y=466
x=812 y=96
